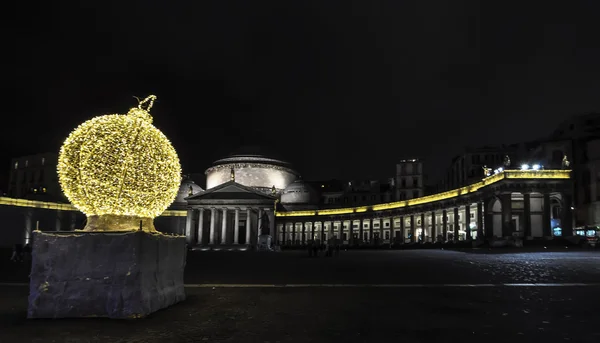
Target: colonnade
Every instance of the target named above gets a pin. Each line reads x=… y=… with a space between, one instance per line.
x=223 y=225
x=528 y=215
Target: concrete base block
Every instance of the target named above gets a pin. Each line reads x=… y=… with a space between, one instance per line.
x=97 y=274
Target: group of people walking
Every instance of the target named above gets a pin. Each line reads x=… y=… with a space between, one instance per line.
x=329 y=248
x=21 y=253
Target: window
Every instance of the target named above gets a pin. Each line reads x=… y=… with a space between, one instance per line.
x=26 y=163
x=472 y=215
x=403 y=183
x=16 y=165
x=345 y=236
x=373 y=197
x=387 y=235
x=415 y=194
x=386 y=224
x=415 y=182
x=345 y=199
x=365 y=225
x=364 y=198
x=43 y=160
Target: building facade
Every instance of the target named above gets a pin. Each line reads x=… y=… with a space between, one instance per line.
x=267 y=196
x=525 y=204
x=34 y=177
x=409 y=180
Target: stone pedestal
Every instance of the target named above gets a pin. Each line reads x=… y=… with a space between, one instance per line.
x=115 y=275
x=264 y=243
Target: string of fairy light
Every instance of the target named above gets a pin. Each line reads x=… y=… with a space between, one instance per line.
x=120 y=165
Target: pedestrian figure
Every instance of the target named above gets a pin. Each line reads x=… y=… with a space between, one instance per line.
x=17 y=253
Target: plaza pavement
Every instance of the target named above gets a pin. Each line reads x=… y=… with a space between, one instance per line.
x=359 y=296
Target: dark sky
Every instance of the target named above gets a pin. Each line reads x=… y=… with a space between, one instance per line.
x=341 y=89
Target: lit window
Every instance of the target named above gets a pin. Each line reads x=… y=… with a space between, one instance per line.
x=43 y=160
x=16 y=165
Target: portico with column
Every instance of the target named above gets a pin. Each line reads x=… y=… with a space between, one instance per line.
x=228 y=215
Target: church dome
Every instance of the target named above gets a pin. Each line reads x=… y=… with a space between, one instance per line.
x=188 y=187
x=255 y=171
x=299 y=192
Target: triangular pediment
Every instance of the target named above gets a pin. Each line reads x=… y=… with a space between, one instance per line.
x=230 y=191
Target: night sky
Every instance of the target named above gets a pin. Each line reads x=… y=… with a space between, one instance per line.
x=340 y=89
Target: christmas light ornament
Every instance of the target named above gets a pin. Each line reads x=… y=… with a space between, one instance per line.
x=120 y=170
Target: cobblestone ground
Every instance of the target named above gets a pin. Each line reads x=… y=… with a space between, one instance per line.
x=427 y=310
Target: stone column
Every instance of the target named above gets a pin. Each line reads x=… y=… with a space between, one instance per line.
x=236 y=228
x=213 y=215
x=260 y=213
x=200 y=233
x=468 y=221
x=413 y=229
x=445 y=224
x=272 y=226
x=293 y=233
x=248 y=225
x=566 y=220
x=331 y=229
x=479 y=220
x=224 y=227
x=456 y=224
x=188 y=226
x=546 y=229
x=322 y=231
x=402 y=230
x=360 y=230
x=58 y=222
x=433 y=227
x=303 y=233
x=507 y=215
x=350 y=232
x=527 y=215
x=423 y=227
x=392 y=231
x=312 y=231
x=488 y=221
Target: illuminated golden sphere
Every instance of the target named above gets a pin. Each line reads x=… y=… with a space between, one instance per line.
x=119 y=170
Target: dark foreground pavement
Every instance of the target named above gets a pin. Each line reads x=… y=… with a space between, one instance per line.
x=389 y=296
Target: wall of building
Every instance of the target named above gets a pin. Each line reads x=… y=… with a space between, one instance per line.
x=409 y=182
x=35 y=176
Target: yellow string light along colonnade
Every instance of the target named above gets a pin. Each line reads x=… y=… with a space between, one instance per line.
x=120 y=170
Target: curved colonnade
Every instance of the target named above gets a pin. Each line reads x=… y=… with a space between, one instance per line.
x=529 y=204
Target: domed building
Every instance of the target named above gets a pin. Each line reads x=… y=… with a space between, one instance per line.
x=239 y=201
x=299 y=195
x=258 y=172
x=187 y=188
